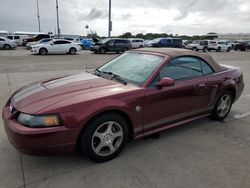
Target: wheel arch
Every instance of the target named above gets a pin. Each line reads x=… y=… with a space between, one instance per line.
x=232 y=90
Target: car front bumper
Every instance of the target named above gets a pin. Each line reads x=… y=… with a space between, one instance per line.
x=34 y=50
x=39 y=141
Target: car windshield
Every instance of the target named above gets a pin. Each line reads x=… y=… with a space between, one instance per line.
x=132 y=67
x=105 y=40
x=155 y=40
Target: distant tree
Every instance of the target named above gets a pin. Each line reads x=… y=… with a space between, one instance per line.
x=126 y=35
x=139 y=35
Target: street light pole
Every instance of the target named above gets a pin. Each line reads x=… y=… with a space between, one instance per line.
x=38 y=16
x=110 y=22
x=57 y=16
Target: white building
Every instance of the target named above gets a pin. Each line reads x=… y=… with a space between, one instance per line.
x=229 y=36
x=3 y=33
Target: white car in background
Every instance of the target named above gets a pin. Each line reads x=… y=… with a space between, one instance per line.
x=29 y=44
x=219 y=46
x=137 y=42
x=18 y=38
x=56 y=46
x=7 y=44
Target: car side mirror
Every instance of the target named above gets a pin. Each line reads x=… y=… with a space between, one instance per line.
x=51 y=44
x=165 y=82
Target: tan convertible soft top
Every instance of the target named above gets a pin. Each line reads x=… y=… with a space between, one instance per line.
x=175 y=52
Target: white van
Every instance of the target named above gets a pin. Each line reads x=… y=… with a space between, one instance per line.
x=137 y=42
x=18 y=38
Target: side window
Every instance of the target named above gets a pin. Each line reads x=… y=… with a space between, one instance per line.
x=16 y=37
x=169 y=41
x=10 y=37
x=206 y=69
x=163 y=41
x=2 y=39
x=60 y=42
x=182 y=68
x=111 y=43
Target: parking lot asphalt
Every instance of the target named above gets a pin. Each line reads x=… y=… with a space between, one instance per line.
x=203 y=153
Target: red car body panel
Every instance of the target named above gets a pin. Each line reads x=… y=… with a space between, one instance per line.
x=79 y=98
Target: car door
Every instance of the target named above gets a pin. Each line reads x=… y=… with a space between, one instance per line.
x=60 y=46
x=110 y=45
x=189 y=96
x=55 y=47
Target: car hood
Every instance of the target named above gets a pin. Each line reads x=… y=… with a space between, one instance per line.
x=36 y=97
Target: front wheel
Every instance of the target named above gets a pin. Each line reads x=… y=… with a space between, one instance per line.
x=124 y=50
x=105 y=137
x=72 y=51
x=7 y=47
x=223 y=106
x=219 y=49
x=205 y=49
x=102 y=51
x=43 y=51
x=229 y=49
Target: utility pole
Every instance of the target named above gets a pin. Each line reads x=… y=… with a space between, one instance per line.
x=38 y=16
x=57 y=16
x=110 y=22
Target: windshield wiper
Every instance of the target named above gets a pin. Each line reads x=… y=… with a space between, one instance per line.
x=113 y=76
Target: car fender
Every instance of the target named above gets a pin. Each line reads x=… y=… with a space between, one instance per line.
x=227 y=84
x=99 y=107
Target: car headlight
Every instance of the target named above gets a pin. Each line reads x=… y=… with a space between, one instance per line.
x=39 y=120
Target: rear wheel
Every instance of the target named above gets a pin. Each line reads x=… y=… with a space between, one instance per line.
x=218 y=49
x=105 y=137
x=195 y=48
x=43 y=51
x=229 y=49
x=223 y=106
x=72 y=51
x=7 y=47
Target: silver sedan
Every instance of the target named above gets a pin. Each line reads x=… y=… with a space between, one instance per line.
x=7 y=44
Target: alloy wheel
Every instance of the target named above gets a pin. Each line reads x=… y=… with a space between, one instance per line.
x=224 y=105
x=107 y=138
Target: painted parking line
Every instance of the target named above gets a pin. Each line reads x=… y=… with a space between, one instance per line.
x=241 y=115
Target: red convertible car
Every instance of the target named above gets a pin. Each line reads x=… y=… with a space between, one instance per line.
x=139 y=93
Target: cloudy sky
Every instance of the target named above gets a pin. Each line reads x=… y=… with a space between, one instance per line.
x=169 y=16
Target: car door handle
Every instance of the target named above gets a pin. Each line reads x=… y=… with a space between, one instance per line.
x=201 y=85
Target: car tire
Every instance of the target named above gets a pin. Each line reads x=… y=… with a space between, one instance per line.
x=195 y=49
x=141 y=46
x=72 y=51
x=218 y=49
x=104 y=137
x=102 y=51
x=229 y=49
x=124 y=50
x=43 y=51
x=205 y=49
x=7 y=47
x=222 y=106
